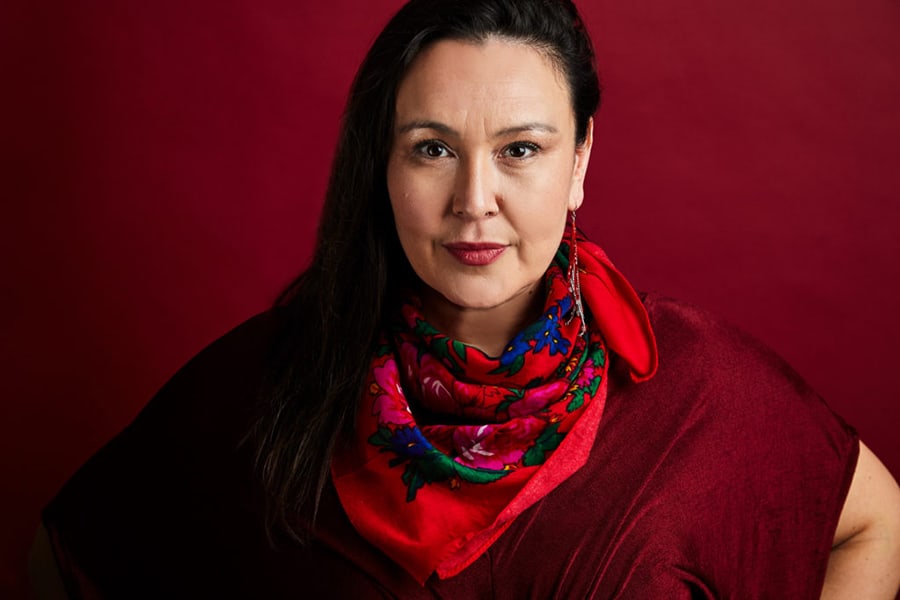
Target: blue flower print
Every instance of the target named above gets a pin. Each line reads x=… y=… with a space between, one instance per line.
x=409 y=442
x=549 y=335
x=565 y=304
x=516 y=348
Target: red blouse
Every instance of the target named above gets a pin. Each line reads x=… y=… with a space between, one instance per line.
x=722 y=477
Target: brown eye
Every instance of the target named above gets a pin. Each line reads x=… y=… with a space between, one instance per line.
x=520 y=150
x=432 y=149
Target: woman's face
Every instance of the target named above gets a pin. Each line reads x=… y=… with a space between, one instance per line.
x=482 y=171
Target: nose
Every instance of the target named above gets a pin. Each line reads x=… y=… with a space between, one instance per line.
x=475 y=194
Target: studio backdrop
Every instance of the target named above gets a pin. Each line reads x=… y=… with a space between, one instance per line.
x=164 y=163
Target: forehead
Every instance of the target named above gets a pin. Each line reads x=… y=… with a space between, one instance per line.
x=495 y=79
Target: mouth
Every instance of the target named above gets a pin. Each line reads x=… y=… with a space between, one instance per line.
x=475 y=254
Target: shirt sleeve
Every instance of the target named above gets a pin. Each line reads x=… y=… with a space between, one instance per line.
x=127 y=523
x=761 y=464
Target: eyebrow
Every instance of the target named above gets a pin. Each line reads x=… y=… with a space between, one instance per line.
x=447 y=130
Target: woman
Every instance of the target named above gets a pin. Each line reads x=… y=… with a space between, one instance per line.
x=488 y=410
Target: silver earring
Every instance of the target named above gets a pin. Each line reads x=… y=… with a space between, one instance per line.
x=574 y=280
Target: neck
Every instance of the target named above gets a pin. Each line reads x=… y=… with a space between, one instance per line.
x=488 y=329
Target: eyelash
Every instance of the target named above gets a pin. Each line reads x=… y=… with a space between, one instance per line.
x=530 y=146
x=420 y=149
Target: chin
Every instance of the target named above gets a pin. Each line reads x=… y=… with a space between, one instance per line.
x=479 y=296
x=469 y=295
x=475 y=302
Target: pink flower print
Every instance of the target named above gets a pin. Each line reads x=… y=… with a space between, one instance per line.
x=478 y=402
x=496 y=446
x=390 y=405
x=435 y=394
x=469 y=442
x=538 y=398
x=588 y=371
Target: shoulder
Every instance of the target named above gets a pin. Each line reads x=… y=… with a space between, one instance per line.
x=239 y=353
x=200 y=414
x=737 y=444
x=721 y=396
x=220 y=385
x=713 y=355
x=176 y=468
x=206 y=406
x=737 y=400
x=684 y=331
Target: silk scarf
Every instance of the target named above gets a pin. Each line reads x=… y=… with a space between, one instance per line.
x=453 y=444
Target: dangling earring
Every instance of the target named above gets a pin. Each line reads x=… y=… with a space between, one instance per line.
x=574 y=279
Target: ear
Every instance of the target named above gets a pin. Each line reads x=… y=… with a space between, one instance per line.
x=579 y=170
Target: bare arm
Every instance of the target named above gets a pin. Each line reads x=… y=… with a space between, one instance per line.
x=42 y=569
x=865 y=558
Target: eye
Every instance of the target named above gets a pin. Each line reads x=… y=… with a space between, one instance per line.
x=521 y=150
x=432 y=149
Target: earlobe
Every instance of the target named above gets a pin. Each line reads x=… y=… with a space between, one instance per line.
x=582 y=158
x=576 y=195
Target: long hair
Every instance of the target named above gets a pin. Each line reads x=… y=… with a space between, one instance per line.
x=335 y=309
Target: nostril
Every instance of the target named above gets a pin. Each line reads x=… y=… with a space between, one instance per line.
x=474 y=212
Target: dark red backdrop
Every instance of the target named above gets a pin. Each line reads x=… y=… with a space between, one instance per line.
x=163 y=165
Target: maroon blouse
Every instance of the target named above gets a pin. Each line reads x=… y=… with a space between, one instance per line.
x=722 y=477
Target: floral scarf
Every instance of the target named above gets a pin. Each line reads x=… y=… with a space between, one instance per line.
x=452 y=444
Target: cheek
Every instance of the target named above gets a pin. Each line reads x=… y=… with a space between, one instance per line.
x=548 y=183
x=413 y=223
x=541 y=238
x=412 y=217
x=402 y=200
x=543 y=206
x=418 y=201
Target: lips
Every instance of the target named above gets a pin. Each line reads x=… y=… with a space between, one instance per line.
x=475 y=254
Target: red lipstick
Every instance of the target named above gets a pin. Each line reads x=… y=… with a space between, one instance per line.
x=475 y=254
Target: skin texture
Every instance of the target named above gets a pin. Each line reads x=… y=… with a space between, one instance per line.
x=484 y=151
x=462 y=168
x=865 y=559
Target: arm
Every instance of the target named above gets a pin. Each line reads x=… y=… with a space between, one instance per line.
x=42 y=569
x=865 y=558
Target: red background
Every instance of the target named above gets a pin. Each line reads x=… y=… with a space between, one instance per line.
x=163 y=165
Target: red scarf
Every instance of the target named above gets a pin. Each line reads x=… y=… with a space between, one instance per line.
x=452 y=444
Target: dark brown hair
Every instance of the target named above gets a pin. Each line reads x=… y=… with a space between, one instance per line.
x=336 y=307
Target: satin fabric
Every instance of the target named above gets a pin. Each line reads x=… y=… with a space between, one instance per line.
x=722 y=477
x=434 y=497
